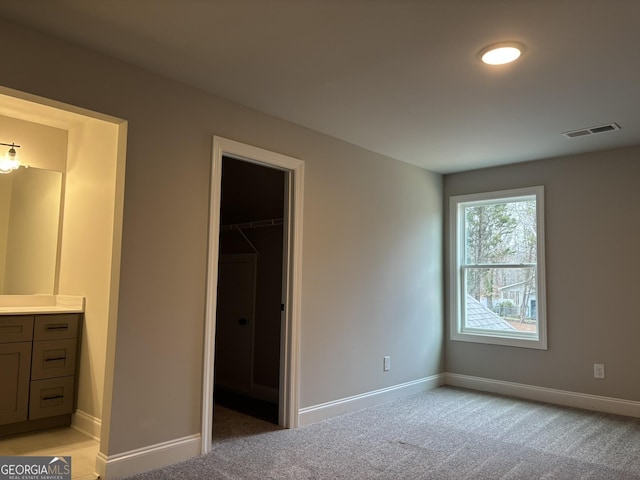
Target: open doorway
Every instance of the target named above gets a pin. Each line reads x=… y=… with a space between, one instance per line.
x=250 y=296
x=63 y=138
x=290 y=287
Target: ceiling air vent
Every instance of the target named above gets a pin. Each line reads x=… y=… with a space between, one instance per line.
x=609 y=127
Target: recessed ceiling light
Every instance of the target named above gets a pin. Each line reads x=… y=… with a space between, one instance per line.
x=501 y=53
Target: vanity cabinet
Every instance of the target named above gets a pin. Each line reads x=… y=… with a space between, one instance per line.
x=16 y=333
x=38 y=370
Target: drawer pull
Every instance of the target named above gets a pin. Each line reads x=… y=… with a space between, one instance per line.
x=53 y=359
x=52 y=397
x=50 y=328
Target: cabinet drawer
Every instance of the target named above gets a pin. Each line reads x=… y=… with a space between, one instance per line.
x=16 y=328
x=53 y=358
x=55 y=327
x=51 y=397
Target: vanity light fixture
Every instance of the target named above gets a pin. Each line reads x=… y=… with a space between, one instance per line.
x=9 y=161
x=501 y=53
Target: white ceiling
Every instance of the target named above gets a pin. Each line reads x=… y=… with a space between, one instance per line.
x=398 y=77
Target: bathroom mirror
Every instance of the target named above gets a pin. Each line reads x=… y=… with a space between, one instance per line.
x=30 y=200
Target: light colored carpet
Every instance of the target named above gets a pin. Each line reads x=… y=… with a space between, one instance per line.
x=446 y=433
x=230 y=425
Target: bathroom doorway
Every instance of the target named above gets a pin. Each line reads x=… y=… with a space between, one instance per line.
x=88 y=245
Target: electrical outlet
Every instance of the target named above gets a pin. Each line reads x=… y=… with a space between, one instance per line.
x=598 y=370
x=387 y=364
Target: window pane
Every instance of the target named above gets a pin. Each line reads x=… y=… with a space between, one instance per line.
x=502 y=232
x=502 y=299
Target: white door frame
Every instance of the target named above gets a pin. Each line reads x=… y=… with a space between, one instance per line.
x=290 y=365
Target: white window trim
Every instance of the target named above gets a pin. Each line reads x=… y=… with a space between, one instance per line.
x=455 y=290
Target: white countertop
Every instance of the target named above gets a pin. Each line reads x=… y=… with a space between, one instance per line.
x=26 y=304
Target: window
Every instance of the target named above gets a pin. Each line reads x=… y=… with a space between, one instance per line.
x=497 y=259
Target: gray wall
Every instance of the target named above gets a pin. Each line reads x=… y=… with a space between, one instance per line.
x=592 y=207
x=372 y=248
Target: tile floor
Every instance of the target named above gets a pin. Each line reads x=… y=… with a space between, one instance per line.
x=61 y=442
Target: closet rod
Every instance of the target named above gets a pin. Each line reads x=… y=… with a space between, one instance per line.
x=249 y=225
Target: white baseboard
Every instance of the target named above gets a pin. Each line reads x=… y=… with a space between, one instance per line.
x=87 y=424
x=550 y=395
x=140 y=460
x=341 y=406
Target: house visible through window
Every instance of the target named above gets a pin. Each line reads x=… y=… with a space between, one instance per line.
x=497 y=260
